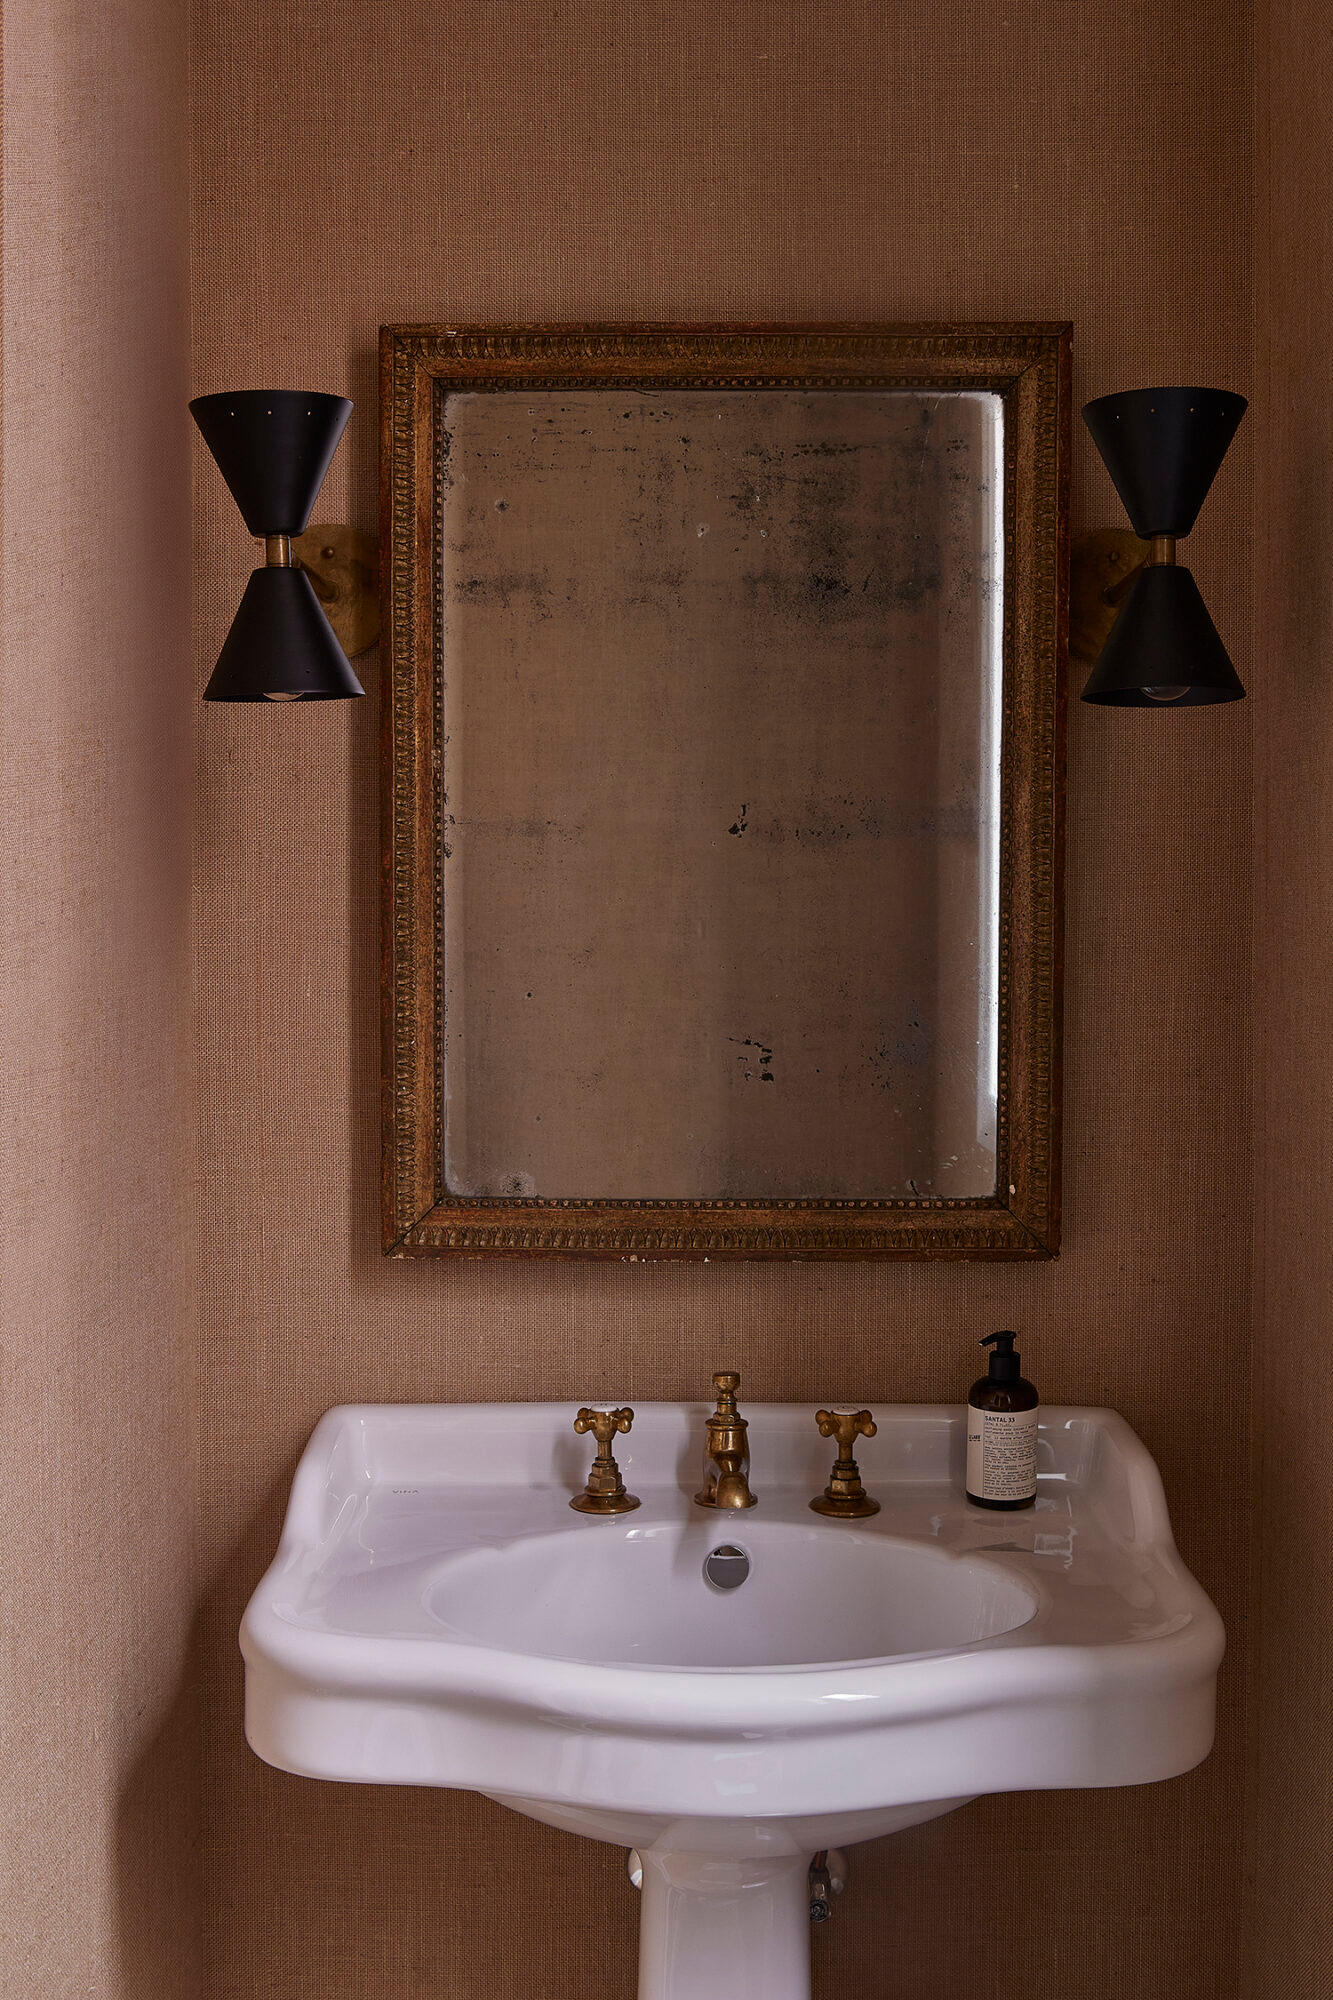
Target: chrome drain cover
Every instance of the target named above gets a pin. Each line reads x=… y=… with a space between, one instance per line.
x=726 y=1568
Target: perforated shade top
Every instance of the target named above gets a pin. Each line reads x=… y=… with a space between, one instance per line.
x=273 y=448
x=1162 y=447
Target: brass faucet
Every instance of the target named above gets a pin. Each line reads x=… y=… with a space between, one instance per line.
x=605 y=1492
x=726 y=1451
x=844 y=1498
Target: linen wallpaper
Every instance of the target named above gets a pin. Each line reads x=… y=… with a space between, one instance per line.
x=760 y=161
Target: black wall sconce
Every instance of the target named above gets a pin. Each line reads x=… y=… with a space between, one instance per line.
x=1137 y=612
x=273 y=448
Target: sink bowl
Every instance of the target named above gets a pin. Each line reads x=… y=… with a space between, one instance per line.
x=436 y=1614
x=636 y=1595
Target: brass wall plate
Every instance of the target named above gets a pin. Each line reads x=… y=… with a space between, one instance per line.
x=1101 y=565
x=343 y=565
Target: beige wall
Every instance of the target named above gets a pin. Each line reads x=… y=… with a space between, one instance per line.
x=675 y=161
x=1293 y=1004
x=97 y=1402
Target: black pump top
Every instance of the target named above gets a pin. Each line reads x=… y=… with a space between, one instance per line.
x=1003 y=1361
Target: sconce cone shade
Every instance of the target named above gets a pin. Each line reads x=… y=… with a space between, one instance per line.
x=1163 y=650
x=273 y=447
x=1162 y=447
x=281 y=647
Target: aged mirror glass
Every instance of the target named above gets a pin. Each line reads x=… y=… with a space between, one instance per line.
x=723 y=784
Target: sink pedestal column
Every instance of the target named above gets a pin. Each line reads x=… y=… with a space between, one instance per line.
x=712 y=1928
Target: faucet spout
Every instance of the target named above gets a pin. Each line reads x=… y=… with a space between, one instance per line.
x=726 y=1480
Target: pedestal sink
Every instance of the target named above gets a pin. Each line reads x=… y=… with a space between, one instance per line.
x=437 y=1615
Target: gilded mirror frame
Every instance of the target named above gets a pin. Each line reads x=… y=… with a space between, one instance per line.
x=1028 y=366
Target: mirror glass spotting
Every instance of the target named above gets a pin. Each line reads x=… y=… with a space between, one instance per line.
x=722 y=712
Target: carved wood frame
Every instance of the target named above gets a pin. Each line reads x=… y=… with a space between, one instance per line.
x=1029 y=366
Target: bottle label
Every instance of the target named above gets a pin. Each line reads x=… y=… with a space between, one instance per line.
x=1002 y=1453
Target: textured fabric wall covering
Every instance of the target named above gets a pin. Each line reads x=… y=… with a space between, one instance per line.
x=1292 y=1926
x=97 y=1409
x=758 y=160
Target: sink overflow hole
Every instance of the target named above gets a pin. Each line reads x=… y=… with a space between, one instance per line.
x=726 y=1568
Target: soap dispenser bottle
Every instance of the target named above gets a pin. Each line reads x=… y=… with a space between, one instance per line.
x=1002 y=1416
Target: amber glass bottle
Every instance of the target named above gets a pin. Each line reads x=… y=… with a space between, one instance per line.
x=1002 y=1416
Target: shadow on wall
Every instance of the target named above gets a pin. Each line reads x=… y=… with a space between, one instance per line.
x=157 y=1859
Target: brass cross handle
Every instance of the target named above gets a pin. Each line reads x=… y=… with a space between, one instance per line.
x=605 y=1492
x=844 y=1498
x=846 y=1426
x=603 y=1423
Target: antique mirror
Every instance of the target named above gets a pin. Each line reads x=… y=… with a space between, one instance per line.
x=723 y=785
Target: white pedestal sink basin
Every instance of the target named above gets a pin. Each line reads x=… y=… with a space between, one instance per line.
x=437 y=1615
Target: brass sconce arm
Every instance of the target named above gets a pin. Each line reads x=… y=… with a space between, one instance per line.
x=343 y=565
